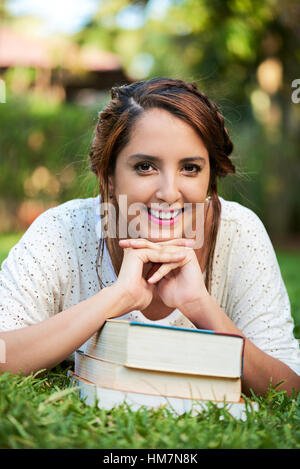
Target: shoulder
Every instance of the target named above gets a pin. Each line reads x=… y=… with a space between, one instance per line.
x=76 y=210
x=67 y=225
x=245 y=247
x=237 y=214
x=243 y=240
x=68 y=218
x=241 y=223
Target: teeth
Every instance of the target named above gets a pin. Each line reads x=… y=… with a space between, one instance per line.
x=164 y=215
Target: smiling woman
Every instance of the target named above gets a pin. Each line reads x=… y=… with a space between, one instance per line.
x=170 y=178
x=159 y=148
x=183 y=124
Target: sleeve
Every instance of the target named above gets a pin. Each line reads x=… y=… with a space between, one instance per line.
x=35 y=277
x=258 y=301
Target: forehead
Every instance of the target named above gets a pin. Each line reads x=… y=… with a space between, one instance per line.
x=158 y=132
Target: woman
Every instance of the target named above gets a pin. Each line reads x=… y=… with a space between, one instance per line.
x=160 y=146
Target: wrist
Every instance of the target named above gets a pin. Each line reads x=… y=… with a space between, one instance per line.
x=194 y=307
x=122 y=301
x=204 y=312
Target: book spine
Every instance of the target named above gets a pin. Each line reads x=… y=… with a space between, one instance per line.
x=242 y=357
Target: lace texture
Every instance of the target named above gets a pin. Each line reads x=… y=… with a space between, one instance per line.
x=53 y=267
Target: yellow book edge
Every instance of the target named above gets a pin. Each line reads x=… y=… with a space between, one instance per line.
x=108 y=398
x=158 y=383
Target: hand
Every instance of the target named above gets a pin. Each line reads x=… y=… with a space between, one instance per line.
x=179 y=282
x=132 y=282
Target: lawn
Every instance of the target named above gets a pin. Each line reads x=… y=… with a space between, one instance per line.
x=45 y=412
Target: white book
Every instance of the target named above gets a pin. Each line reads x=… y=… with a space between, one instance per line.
x=166 y=348
x=108 y=398
x=112 y=375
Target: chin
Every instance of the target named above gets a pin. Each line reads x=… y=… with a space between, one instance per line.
x=164 y=238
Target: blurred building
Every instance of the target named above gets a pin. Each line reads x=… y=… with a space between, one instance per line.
x=74 y=72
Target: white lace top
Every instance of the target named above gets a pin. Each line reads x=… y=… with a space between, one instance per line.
x=53 y=267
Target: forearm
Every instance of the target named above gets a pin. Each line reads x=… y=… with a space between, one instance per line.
x=259 y=367
x=47 y=343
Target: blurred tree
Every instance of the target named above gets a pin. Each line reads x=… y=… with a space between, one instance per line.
x=244 y=54
x=231 y=48
x=212 y=41
x=4 y=15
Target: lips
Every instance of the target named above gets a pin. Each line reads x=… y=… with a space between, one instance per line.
x=163 y=217
x=164 y=214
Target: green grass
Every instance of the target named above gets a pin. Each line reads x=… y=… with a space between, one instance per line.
x=45 y=412
x=289 y=262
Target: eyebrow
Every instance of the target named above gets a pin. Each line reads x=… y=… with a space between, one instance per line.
x=139 y=156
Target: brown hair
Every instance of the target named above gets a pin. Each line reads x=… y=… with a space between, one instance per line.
x=183 y=100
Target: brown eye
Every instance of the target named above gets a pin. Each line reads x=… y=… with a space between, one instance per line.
x=192 y=168
x=143 y=167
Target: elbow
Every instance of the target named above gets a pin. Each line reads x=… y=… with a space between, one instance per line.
x=292 y=384
x=13 y=358
x=16 y=369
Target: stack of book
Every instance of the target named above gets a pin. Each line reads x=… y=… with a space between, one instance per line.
x=152 y=365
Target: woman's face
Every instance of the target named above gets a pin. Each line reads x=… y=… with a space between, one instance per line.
x=165 y=166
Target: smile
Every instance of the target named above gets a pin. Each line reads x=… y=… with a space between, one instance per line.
x=164 y=217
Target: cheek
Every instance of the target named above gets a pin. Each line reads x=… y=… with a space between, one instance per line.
x=195 y=190
x=136 y=189
x=132 y=194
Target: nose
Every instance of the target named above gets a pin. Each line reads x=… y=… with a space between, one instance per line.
x=168 y=189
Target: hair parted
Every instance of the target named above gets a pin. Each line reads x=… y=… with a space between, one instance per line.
x=185 y=101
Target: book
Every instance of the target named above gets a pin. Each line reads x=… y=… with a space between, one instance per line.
x=106 y=398
x=115 y=376
x=168 y=349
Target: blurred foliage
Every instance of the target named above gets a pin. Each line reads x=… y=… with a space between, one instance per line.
x=243 y=53
x=232 y=48
x=44 y=150
x=219 y=43
x=34 y=134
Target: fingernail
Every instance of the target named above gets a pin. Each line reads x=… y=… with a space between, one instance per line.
x=153 y=278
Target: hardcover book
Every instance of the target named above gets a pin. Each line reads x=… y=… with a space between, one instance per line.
x=168 y=349
x=157 y=383
x=106 y=398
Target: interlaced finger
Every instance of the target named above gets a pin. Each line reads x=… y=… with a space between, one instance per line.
x=161 y=255
x=164 y=270
x=141 y=243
